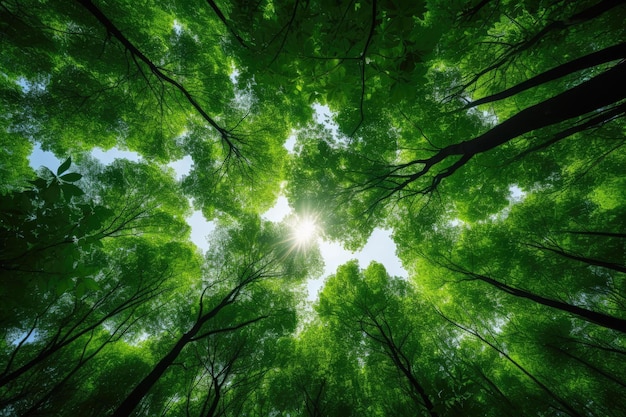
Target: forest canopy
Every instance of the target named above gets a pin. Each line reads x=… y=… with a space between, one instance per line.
x=487 y=135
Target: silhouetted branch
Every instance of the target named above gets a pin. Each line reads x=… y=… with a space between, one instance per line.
x=137 y=54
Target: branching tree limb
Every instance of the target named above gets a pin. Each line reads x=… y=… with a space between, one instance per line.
x=601 y=319
x=584 y=16
x=223 y=19
x=362 y=64
x=252 y=272
x=286 y=28
x=596 y=93
x=591 y=261
x=227 y=137
x=570 y=410
x=601 y=119
x=611 y=53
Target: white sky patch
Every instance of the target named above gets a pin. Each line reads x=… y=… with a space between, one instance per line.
x=39 y=158
x=380 y=247
x=456 y=222
x=517 y=195
x=24 y=337
x=178 y=28
x=108 y=156
x=290 y=143
x=490 y=117
x=28 y=86
x=279 y=211
x=244 y=98
x=324 y=115
x=234 y=75
x=181 y=167
x=200 y=229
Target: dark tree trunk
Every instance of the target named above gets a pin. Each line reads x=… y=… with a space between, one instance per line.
x=216 y=400
x=141 y=390
x=602 y=117
x=592 y=95
x=132 y=400
x=600 y=91
x=584 y=259
x=583 y=16
x=403 y=364
x=600 y=57
x=136 y=395
x=588 y=365
x=59 y=342
x=600 y=319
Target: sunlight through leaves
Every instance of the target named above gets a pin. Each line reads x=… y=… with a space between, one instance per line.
x=304 y=231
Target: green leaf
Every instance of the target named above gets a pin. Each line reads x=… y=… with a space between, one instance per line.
x=62 y=286
x=39 y=183
x=49 y=170
x=97 y=218
x=80 y=289
x=91 y=284
x=52 y=194
x=64 y=166
x=70 y=190
x=71 y=177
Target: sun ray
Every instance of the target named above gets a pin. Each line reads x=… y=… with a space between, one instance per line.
x=304 y=230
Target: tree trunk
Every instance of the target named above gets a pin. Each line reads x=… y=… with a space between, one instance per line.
x=55 y=345
x=596 y=58
x=600 y=91
x=583 y=16
x=132 y=400
x=588 y=365
x=592 y=95
x=570 y=410
x=215 y=402
x=404 y=365
x=600 y=319
x=141 y=390
x=584 y=259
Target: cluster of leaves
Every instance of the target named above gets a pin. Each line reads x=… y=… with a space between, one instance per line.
x=45 y=231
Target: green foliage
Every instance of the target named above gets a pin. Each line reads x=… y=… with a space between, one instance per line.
x=487 y=135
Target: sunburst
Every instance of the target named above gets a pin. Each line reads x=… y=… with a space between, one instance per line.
x=304 y=230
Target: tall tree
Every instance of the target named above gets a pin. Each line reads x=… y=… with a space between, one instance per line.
x=370 y=305
x=248 y=265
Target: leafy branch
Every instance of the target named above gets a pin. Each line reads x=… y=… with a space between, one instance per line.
x=362 y=63
x=226 y=135
x=596 y=93
x=581 y=17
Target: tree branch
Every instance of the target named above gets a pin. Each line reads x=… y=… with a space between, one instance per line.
x=600 y=57
x=362 y=64
x=586 y=15
x=225 y=134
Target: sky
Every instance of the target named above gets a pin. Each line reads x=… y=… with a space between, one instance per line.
x=380 y=247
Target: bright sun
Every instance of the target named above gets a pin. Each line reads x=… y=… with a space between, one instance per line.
x=304 y=230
